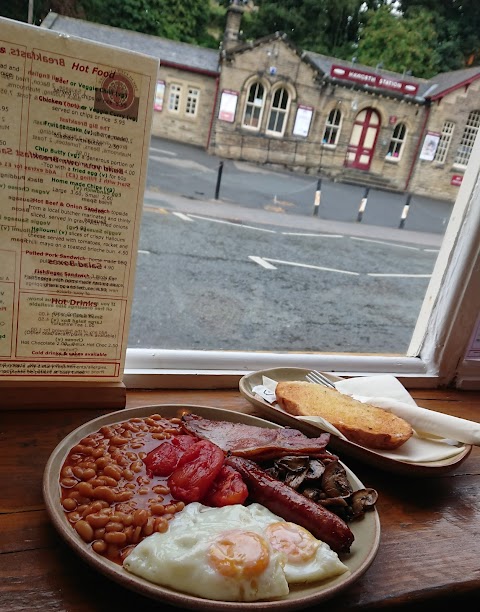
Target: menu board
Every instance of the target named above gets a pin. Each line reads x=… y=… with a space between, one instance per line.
x=75 y=120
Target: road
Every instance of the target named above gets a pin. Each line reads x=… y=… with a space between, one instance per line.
x=255 y=270
x=210 y=282
x=188 y=171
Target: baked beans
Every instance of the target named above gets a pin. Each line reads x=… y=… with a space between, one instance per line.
x=106 y=493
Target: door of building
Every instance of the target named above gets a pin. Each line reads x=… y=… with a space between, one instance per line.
x=363 y=139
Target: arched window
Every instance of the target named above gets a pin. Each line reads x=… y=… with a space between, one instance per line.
x=397 y=141
x=468 y=138
x=333 y=124
x=278 y=112
x=254 y=106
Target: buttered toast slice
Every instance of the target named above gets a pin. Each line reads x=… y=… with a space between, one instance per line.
x=358 y=422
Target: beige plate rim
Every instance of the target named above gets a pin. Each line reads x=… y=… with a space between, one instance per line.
x=350 y=449
x=364 y=549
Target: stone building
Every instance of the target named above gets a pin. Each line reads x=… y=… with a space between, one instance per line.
x=271 y=103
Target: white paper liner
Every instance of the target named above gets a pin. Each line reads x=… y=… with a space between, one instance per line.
x=437 y=436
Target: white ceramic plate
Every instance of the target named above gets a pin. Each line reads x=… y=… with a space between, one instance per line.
x=363 y=551
x=343 y=447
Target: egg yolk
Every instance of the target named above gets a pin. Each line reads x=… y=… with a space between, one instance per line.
x=297 y=544
x=239 y=554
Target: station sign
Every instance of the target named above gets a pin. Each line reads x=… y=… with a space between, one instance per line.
x=372 y=79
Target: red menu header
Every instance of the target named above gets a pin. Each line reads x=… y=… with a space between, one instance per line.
x=346 y=73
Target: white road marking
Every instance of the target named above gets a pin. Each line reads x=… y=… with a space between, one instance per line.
x=399 y=275
x=144 y=252
x=164 y=151
x=262 y=262
x=259 y=229
x=314 y=235
x=400 y=246
x=300 y=265
x=186 y=164
x=182 y=216
x=431 y=250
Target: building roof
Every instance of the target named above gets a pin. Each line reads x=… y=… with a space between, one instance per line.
x=443 y=83
x=170 y=52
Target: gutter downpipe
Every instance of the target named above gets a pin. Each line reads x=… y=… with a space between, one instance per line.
x=212 y=118
x=420 y=140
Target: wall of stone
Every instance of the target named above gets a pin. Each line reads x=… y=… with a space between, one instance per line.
x=434 y=178
x=181 y=126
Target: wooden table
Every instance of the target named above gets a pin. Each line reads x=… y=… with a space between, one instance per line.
x=430 y=544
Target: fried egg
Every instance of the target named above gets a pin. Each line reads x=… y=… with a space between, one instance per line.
x=233 y=553
x=212 y=555
x=306 y=559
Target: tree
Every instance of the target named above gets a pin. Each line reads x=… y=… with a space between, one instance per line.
x=184 y=20
x=325 y=26
x=458 y=29
x=400 y=43
x=19 y=10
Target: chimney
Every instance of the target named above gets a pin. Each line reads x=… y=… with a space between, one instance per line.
x=232 y=26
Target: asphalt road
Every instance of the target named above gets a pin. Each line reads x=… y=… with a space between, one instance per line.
x=256 y=270
x=210 y=282
x=190 y=172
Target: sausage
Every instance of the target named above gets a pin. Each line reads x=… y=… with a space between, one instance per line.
x=292 y=506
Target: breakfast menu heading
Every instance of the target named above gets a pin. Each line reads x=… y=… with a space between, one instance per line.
x=75 y=121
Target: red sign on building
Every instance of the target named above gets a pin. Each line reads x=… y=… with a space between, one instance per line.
x=372 y=79
x=456 y=180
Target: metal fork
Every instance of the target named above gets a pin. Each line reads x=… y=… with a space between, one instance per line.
x=319 y=379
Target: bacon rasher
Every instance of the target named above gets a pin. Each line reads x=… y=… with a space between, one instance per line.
x=258 y=443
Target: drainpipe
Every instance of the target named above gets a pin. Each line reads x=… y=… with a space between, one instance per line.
x=417 y=148
x=212 y=118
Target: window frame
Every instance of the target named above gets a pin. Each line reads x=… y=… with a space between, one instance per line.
x=445 y=141
x=436 y=355
x=398 y=143
x=193 y=99
x=175 y=94
x=247 y=104
x=332 y=127
x=279 y=111
x=469 y=135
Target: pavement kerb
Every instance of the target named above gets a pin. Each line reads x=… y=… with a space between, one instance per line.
x=239 y=214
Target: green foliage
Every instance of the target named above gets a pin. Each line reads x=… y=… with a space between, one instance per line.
x=458 y=29
x=425 y=36
x=400 y=43
x=18 y=9
x=184 y=20
x=325 y=26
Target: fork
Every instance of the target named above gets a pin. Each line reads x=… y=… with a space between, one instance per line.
x=319 y=379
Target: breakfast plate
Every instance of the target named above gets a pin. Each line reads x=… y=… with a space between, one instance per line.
x=345 y=448
x=363 y=551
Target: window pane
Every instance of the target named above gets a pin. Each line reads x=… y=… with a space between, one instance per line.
x=174 y=97
x=397 y=141
x=468 y=138
x=192 y=101
x=332 y=127
x=278 y=111
x=270 y=287
x=254 y=105
x=444 y=142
